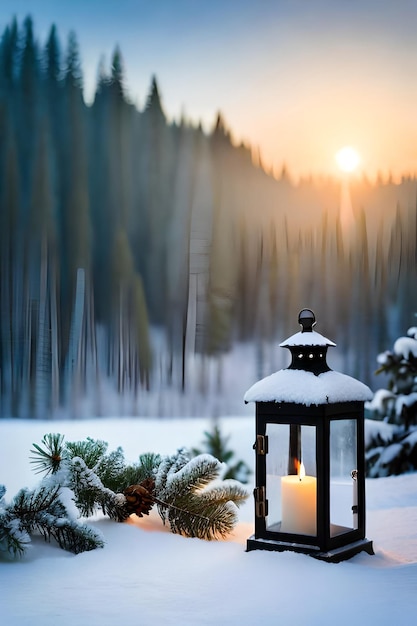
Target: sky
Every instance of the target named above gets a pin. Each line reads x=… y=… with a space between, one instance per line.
x=296 y=79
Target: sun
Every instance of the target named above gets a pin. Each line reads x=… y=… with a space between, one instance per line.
x=347 y=159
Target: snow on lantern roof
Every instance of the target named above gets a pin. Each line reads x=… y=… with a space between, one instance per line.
x=302 y=338
x=301 y=387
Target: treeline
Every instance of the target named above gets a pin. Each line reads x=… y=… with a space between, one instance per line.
x=130 y=244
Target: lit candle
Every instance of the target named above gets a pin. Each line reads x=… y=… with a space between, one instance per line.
x=298 y=503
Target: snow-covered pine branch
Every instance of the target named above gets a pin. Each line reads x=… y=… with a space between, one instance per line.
x=41 y=512
x=188 y=492
x=91 y=494
x=199 y=506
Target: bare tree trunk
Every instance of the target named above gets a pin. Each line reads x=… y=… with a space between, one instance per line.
x=42 y=356
x=73 y=361
x=54 y=342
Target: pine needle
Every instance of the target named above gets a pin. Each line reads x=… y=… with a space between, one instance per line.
x=48 y=458
x=179 y=509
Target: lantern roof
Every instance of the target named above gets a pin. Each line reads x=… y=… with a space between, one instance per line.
x=302 y=387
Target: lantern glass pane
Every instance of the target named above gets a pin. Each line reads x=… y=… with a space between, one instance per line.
x=343 y=487
x=291 y=479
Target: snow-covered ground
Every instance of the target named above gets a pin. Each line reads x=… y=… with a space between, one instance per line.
x=146 y=575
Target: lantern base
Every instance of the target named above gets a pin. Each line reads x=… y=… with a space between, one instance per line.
x=332 y=556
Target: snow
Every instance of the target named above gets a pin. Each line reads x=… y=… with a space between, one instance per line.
x=375 y=428
x=146 y=575
x=383 y=358
x=411 y=440
x=310 y=338
x=405 y=346
x=306 y=388
x=389 y=454
x=380 y=401
x=408 y=401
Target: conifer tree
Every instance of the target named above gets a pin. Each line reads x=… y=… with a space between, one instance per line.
x=73 y=70
x=179 y=235
x=156 y=177
x=28 y=104
x=223 y=270
x=11 y=273
x=8 y=57
x=153 y=102
x=41 y=250
x=74 y=215
x=117 y=73
x=102 y=77
x=52 y=57
x=101 y=209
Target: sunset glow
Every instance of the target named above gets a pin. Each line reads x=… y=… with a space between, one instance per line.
x=347 y=159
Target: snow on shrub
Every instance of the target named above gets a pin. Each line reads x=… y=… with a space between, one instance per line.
x=391 y=447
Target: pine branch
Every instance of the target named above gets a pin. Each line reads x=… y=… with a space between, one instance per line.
x=131 y=475
x=164 y=505
x=119 y=477
x=48 y=458
x=110 y=468
x=226 y=491
x=149 y=463
x=68 y=534
x=41 y=511
x=200 y=471
x=91 y=494
x=188 y=492
x=13 y=540
x=28 y=504
x=91 y=451
x=192 y=507
x=205 y=520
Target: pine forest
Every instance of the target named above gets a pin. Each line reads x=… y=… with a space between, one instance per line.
x=138 y=253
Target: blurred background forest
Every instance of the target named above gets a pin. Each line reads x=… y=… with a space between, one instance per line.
x=151 y=268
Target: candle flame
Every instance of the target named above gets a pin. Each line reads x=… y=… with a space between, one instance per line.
x=301 y=471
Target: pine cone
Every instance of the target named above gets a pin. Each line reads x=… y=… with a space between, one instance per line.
x=139 y=498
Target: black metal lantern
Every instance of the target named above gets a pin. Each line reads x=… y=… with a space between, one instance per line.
x=310 y=469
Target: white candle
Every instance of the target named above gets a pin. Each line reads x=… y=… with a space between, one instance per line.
x=298 y=504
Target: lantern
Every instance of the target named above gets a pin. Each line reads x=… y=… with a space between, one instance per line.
x=310 y=468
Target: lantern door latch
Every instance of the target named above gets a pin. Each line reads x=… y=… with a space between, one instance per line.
x=261 y=445
x=261 y=503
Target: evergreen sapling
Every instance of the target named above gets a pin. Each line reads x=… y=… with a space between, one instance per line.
x=395 y=452
x=217 y=445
